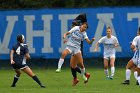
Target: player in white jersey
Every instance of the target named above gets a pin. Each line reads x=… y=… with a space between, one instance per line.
x=81 y=18
x=110 y=42
x=77 y=34
x=132 y=64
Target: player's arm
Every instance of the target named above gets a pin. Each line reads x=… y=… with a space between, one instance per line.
x=134 y=43
x=90 y=41
x=11 y=57
x=27 y=55
x=96 y=47
x=116 y=42
x=65 y=35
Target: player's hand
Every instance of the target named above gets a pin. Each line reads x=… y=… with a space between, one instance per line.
x=12 y=62
x=95 y=50
x=93 y=39
x=64 y=41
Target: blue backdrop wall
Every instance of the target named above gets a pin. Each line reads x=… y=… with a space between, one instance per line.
x=44 y=28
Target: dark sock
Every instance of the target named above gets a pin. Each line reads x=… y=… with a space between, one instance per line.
x=14 y=81
x=79 y=70
x=73 y=71
x=35 y=78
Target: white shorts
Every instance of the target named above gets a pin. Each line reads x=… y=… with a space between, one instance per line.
x=136 y=59
x=73 y=50
x=109 y=56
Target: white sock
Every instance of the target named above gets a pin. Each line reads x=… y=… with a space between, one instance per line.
x=60 y=63
x=128 y=73
x=106 y=72
x=112 y=71
x=138 y=79
x=136 y=75
x=83 y=71
x=83 y=74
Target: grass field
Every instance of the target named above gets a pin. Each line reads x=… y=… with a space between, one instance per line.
x=61 y=82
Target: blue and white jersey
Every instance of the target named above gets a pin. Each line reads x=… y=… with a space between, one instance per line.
x=20 y=51
x=76 y=37
x=108 y=43
x=136 y=57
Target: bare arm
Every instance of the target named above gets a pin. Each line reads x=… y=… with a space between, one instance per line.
x=133 y=47
x=96 y=47
x=27 y=56
x=65 y=35
x=11 y=57
x=90 y=41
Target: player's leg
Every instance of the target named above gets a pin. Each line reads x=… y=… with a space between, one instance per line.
x=138 y=70
x=16 y=77
x=28 y=71
x=129 y=65
x=106 y=67
x=79 y=58
x=73 y=65
x=112 y=65
x=61 y=60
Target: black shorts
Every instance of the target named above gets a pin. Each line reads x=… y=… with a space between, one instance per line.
x=19 y=66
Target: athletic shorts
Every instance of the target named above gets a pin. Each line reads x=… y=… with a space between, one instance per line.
x=73 y=50
x=19 y=66
x=109 y=56
x=136 y=59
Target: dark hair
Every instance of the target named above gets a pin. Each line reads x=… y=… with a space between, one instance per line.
x=85 y=23
x=20 y=37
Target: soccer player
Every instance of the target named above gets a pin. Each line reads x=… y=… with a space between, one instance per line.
x=76 y=22
x=19 y=54
x=110 y=42
x=131 y=65
x=78 y=33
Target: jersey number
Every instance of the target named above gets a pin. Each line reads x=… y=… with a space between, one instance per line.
x=18 y=50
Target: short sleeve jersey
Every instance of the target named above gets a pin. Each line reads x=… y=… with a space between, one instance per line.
x=76 y=37
x=20 y=51
x=108 y=43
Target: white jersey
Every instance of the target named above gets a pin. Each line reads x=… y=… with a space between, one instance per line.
x=109 y=48
x=76 y=37
x=136 y=57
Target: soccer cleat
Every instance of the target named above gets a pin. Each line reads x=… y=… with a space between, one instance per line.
x=107 y=78
x=126 y=82
x=111 y=77
x=43 y=86
x=87 y=76
x=58 y=70
x=75 y=81
x=13 y=85
x=137 y=83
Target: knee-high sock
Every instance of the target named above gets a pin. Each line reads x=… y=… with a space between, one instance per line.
x=73 y=71
x=106 y=72
x=128 y=73
x=60 y=63
x=35 y=78
x=15 y=80
x=78 y=70
x=112 y=71
x=138 y=79
x=136 y=75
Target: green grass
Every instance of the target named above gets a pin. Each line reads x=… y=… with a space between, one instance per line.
x=62 y=82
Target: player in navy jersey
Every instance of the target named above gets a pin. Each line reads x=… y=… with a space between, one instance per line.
x=18 y=56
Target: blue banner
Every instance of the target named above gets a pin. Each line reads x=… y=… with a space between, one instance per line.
x=44 y=28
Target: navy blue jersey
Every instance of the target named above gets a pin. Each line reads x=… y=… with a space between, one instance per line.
x=20 y=51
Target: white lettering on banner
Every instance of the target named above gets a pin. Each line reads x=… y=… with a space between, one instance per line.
x=64 y=26
x=104 y=19
x=45 y=33
x=7 y=36
x=131 y=16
